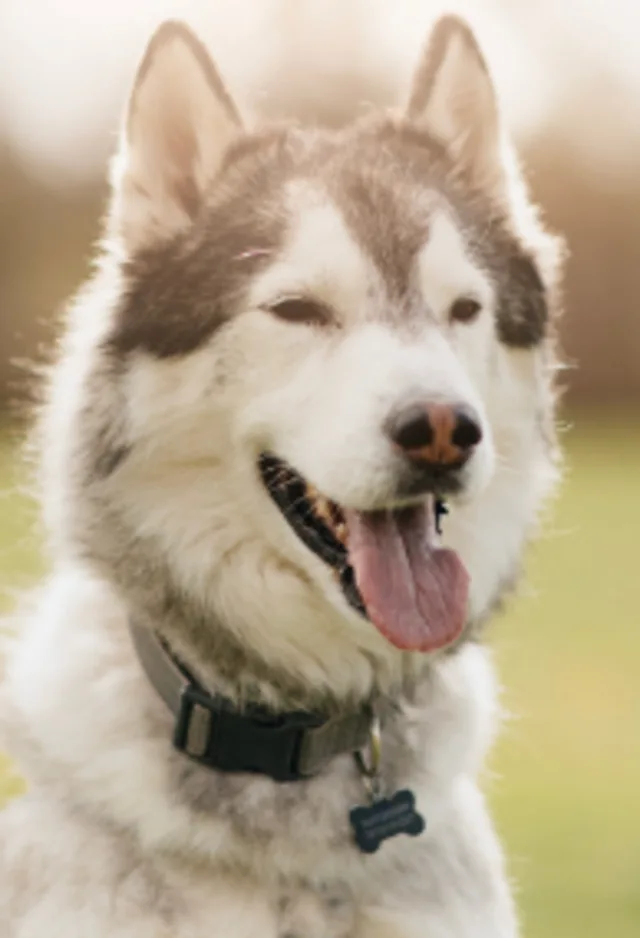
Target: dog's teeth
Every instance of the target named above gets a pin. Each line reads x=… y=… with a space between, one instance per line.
x=322 y=508
x=336 y=513
x=341 y=531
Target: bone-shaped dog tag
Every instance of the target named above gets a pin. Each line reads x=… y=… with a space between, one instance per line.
x=384 y=818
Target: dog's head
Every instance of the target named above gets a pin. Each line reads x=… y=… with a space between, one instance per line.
x=313 y=336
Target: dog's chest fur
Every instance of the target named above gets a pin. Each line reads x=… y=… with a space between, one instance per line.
x=292 y=841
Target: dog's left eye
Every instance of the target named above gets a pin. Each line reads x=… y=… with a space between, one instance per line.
x=301 y=309
x=465 y=309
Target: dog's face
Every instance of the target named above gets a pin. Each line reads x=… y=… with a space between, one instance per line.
x=319 y=335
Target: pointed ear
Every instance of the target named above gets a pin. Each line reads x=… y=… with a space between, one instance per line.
x=179 y=122
x=454 y=100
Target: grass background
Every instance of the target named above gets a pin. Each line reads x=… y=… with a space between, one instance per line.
x=565 y=776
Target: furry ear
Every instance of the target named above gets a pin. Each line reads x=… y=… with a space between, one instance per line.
x=179 y=123
x=454 y=100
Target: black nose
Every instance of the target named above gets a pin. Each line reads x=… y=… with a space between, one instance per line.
x=439 y=434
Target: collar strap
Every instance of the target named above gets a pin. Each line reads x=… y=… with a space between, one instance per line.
x=286 y=747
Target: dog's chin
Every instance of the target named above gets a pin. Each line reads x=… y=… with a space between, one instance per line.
x=387 y=562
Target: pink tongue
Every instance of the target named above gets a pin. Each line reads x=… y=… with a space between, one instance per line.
x=415 y=592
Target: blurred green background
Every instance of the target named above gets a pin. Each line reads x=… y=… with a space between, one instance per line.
x=565 y=777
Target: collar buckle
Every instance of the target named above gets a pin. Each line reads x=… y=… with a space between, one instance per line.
x=212 y=731
x=252 y=740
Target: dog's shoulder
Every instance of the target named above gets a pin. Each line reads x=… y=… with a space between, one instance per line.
x=62 y=873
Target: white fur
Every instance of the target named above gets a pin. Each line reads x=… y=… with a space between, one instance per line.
x=105 y=845
x=112 y=767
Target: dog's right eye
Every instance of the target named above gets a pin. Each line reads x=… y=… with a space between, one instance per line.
x=301 y=309
x=465 y=309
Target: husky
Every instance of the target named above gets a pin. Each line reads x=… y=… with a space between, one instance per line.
x=298 y=433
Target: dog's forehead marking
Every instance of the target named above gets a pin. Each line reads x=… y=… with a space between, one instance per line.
x=446 y=269
x=387 y=214
x=319 y=256
x=363 y=258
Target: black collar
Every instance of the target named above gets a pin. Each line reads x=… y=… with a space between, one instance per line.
x=286 y=747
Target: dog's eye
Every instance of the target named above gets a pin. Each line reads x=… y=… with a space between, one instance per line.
x=465 y=309
x=301 y=309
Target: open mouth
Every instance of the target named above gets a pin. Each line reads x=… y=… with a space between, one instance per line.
x=388 y=563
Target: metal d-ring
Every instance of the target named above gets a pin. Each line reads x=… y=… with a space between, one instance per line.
x=369 y=767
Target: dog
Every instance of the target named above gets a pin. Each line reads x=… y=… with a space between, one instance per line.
x=298 y=433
